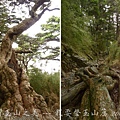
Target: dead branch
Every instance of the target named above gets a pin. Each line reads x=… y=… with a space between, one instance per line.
x=23 y=51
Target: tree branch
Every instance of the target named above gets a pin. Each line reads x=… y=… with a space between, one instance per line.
x=38 y=3
x=55 y=39
x=53 y=9
x=13 y=33
x=23 y=51
x=73 y=92
x=46 y=58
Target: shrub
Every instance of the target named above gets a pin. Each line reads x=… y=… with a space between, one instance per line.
x=44 y=82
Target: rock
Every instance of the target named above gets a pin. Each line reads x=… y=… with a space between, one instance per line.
x=93 y=70
x=80 y=61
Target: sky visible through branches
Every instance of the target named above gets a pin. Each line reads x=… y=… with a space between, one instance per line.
x=52 y=65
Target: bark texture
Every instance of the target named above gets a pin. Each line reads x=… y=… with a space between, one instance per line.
x=16 y=94
x=17 y=97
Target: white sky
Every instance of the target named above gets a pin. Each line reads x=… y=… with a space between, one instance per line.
x=36 y=27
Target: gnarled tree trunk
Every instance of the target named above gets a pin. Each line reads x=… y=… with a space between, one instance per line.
x=17 y=97
x=89 y=91
x=16 y=94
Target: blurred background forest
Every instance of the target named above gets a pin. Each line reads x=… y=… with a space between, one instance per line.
x=93 y=28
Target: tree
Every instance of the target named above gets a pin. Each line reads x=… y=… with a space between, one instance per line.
x=30 y=48
x=103 y=22
x=16 y=94
x=88 y=86
x=75 y=31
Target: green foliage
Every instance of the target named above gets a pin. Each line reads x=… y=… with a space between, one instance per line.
x=4 y=18
x=114 y=52
x=89 y=26
x=36 y=46
x=74 y=29
x=44 y=82
x=7 y=16
x=51 y=30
